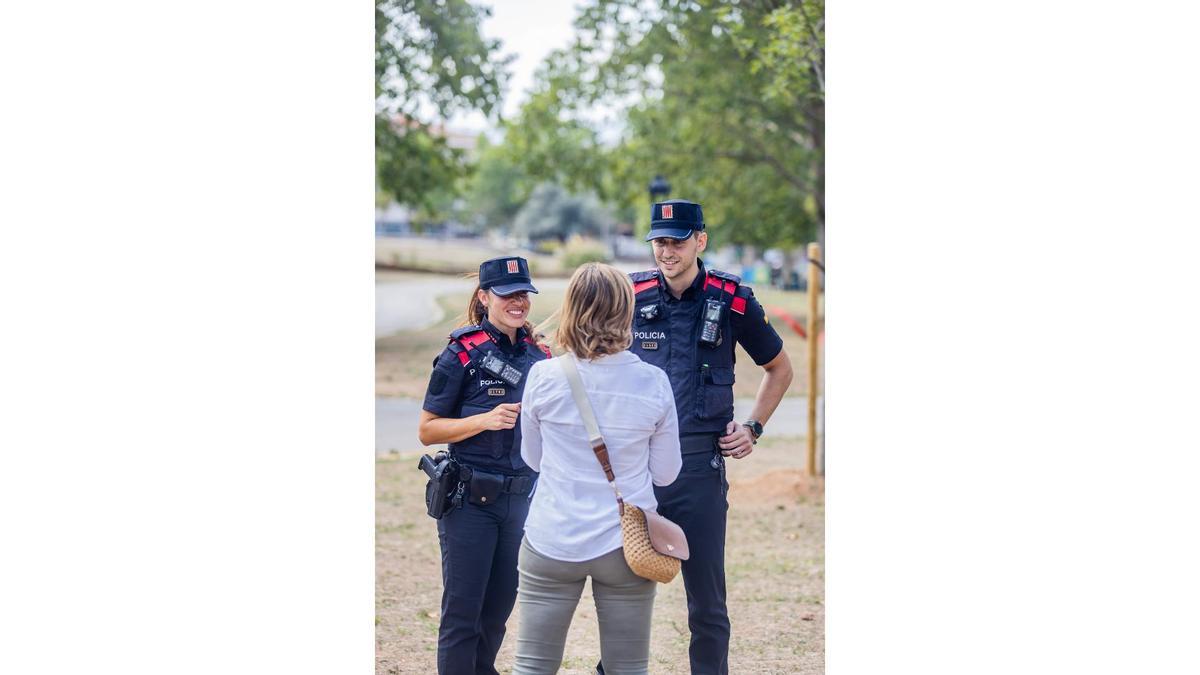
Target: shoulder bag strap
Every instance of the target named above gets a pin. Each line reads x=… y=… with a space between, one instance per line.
x=567 y=361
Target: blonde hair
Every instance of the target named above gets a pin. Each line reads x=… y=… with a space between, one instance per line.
x=597 y=312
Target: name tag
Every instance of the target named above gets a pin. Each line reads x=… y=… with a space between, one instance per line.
x=649 y=345
x=496 y=391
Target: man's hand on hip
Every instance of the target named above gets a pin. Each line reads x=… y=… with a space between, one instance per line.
x=737 y=441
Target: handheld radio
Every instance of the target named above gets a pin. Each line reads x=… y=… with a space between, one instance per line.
x=710 y=327
x=497 y=367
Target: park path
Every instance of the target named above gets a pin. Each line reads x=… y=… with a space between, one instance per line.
x=408 y=302
x=411 y=304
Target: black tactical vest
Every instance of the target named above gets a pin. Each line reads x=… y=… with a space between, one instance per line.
x=666 y=333
x=491 y=450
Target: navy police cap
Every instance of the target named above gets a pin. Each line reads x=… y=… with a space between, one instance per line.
x=675 y=219
x=505 y=276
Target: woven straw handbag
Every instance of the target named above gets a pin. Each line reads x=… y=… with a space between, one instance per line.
x=654 y=546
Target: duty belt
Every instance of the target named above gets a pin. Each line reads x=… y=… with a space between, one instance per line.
x=690 y=444
x=517 y=485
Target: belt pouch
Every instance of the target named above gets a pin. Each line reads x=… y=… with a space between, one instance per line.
x=485 y=488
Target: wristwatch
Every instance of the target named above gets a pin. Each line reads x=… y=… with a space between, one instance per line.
x=755 y=427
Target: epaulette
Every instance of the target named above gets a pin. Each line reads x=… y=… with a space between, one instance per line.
x=726 y=276
x=643 y=281
x=464 y=330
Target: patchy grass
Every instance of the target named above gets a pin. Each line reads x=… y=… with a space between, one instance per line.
x=454 y=256
x=775 y=575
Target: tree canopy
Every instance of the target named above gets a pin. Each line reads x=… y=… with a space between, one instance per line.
x=553 y=213
x=430 y=62
x=724 y=97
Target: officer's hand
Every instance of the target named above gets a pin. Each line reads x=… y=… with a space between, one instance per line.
x=503 y=416
x=737 y=441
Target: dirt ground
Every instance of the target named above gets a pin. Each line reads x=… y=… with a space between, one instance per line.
x=775 y=567
x=775 y=556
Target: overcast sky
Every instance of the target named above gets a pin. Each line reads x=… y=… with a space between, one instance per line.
x=530 y=29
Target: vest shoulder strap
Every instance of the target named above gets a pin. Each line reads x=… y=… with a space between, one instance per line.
x=718 y=285
x=644 y=281
x=468 y=338
x=740 y=297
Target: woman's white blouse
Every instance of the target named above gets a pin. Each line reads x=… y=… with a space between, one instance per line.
x=574 y=515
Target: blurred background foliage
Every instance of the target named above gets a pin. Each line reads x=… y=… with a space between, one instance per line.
x=430 y=62
x=723 y=97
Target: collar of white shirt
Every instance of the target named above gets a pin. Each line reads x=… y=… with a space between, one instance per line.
x=620 y=358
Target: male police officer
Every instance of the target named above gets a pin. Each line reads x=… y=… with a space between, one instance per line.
x=686 y=321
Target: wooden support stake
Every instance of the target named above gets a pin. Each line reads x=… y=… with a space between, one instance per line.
x=814 y=294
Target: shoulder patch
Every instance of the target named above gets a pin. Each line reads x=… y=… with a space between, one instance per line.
x=643 y=276
x=744 y=292
x=464 y=330
x=437 y=383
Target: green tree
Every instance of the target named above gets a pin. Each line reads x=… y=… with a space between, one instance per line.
x=498 y=187
x=430 y=62
x=553 y=213
x=724 y=97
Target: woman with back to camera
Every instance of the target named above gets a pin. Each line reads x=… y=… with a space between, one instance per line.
x=574 y=528
x=473 y=404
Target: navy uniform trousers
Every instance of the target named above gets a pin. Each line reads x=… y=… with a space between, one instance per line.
x=479 y=552
x=697 y=501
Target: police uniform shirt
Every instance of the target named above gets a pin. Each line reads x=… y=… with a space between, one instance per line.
x=457 y=390
x=703 y=395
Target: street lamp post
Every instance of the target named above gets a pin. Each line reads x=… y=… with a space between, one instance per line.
x=659 y=187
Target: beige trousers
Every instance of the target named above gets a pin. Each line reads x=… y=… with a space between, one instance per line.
x=549 y=592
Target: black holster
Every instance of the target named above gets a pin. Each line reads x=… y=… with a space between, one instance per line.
x=443 y=478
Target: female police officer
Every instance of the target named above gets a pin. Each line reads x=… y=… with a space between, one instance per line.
x=472 y=404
